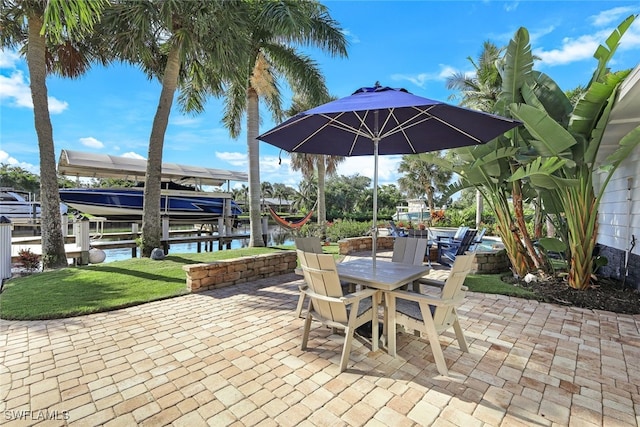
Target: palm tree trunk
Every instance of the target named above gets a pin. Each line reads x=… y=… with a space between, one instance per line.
x=253 y=151
x=53 y=252
x=151 y=224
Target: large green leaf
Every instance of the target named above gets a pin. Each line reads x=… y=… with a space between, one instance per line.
x=589 y=108
x=551 y=138
x=549 y=94
x=628 y=143
x=540 y=173
x=516 y=68
x=604 y=53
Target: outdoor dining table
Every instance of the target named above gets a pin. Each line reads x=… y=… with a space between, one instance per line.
x=386 y=276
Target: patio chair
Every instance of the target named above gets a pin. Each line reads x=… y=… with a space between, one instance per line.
x=306 y=244
x=410 y=250
x=329 y=306
x=433 y=315
x=394 y=231
x=448 y=249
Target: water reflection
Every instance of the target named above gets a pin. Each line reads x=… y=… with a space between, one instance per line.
x=276 y=236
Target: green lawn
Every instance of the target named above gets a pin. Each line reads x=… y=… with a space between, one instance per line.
x=90 y=289
x=102 y=287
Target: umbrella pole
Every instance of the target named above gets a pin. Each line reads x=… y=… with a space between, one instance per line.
x=374 y=230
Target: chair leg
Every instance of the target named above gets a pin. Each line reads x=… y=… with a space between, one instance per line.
x=346 y=348
x=462 y=342
x=300 y=305
x=434 y=340
x=305 y=334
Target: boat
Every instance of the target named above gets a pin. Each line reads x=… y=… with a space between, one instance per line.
x=183 y=195
x=14 y=205
x=125 y=204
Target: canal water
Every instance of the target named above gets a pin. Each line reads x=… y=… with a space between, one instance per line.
x=276 y=236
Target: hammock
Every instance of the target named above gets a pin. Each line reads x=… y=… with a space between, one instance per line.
x=288 y=224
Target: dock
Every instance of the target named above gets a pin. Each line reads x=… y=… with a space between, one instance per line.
x=33 y=243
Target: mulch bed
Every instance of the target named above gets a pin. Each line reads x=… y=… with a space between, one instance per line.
x=606 y=294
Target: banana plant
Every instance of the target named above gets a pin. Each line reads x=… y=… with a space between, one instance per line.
x=487 y=168
x=567 y=154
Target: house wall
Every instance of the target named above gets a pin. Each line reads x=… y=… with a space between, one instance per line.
x=616 y=226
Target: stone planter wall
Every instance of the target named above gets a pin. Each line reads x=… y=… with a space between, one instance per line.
x=490 y=262
x=363 y=244
x=201 y=277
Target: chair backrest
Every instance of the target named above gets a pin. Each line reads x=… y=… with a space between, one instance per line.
x=409 y=250
x=466 y=241
x=321 y=275
x=393 y=230
x=478 y=239
x=460 y=232
x=309 y=244
x=453 y=287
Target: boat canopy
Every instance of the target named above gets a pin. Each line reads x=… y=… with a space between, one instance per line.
x=95 y=165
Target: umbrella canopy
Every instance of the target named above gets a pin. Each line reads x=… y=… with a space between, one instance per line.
x=382 y=120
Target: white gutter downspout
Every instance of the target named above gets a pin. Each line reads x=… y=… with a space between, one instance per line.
x=631 y=240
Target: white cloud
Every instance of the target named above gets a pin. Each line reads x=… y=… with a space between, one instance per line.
x=614 y=15
x=7 y=159
x=185 y=121
x=91 y=142
x=511 y=6
x=537 y=34
x=8 y=58
x=133 y=155
x=234 y=158
x=16 y=91
x=582 y=47
x=350 y=36
x=422 y=79
x=364 y=165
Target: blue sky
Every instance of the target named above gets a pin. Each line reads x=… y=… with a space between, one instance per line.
x=414 y=44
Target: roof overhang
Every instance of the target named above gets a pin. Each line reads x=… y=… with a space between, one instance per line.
x=625 y=114
x=94 y=165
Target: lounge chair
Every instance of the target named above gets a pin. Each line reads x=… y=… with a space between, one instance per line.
x=431 y=315
x=394 y=231
x=329 y=306
x=448 y=249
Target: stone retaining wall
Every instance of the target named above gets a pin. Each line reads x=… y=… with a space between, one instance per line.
x=489 y=262
x=363 y=244
x=217 y=274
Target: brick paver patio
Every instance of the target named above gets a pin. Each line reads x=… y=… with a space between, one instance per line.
x=232 y=357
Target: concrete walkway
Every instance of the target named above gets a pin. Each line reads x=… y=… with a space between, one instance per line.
x=232 y=357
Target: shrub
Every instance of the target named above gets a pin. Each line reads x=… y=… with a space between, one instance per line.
x=342 y=229
x=29 y=260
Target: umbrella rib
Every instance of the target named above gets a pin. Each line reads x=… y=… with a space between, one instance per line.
x=427 y=116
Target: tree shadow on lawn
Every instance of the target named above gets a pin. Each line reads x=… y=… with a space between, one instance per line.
x=140 y=274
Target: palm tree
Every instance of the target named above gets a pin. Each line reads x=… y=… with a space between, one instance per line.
x=266 y=190
x=53 y=50
x=306 y=163
x=274 y=29
x=190 y=46
x=422 y=176
x=480 y=89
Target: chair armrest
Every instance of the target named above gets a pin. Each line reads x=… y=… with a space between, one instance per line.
x=412 y=296
x=348 y=299
x=431 y=282
x=361 y=294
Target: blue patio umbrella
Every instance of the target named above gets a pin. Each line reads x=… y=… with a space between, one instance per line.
x=383 y=120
